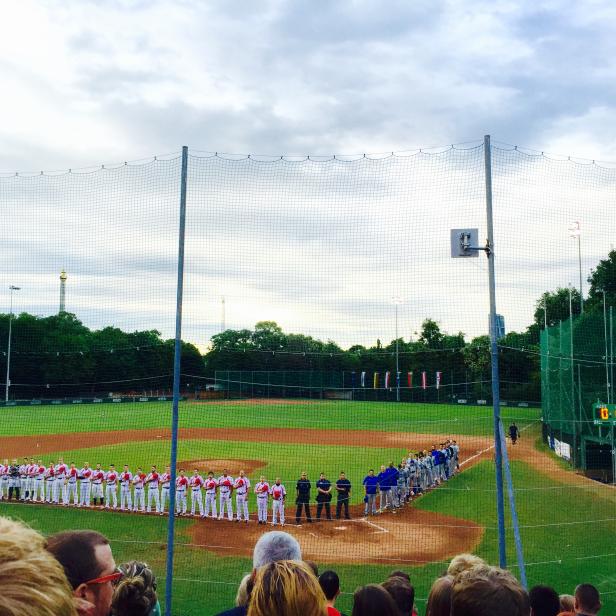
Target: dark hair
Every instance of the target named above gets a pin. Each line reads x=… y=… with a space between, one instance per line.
x=135 y=595
x=439 y=599
x=330 y=583
x=402 y=593
x=313 y=566
x=75 y=551
x=544 y=601
x=373 y=599
x=588 y=598
x=400 y=574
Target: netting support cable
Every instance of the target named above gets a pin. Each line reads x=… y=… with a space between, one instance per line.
x=500 y=503
x=176 y=382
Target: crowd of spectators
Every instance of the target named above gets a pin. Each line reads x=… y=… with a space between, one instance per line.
x=73 y=573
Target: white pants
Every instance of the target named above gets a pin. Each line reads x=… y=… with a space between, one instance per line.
x=262 y=508
x=180 y=501
x=277 y=510
x=39 y=490
x=97 y=491
x=225 y=499
x=111 y=494
x=126 y=500
x=84 y=493
x=196 y=499
x=55 y=491
x=49 y=486
x=139 y=499
x=210 y=504
x=164 y=497
x=30 y=487
x=71 y=489
x=23 y=485
x=241 y=506
x=4 y=487
x=153 y=495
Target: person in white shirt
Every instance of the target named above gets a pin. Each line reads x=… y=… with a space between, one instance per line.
x=165 y=484
x=278 y=492
x=262 y=491
x=196 y=483
x=152 y=481
x=210 y=495
x=111 y=489
x=85 y=485
x=126 y=478
x=241 y=486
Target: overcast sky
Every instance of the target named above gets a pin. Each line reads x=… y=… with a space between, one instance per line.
x=103 y=82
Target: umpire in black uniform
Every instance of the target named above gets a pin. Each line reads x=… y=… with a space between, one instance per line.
x=303 y=498
x=324 y=496
x=343 y=487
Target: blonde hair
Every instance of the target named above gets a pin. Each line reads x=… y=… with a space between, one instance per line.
x=287 y=588
x=32 y=581
x=243 y=594
x=463 y=562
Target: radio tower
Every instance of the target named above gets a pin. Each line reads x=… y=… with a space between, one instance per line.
x=62 y=292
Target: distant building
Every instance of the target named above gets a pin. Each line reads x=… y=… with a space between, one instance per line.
x=62 y=292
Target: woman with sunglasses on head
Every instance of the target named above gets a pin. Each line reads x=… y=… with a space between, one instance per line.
x=135 y=593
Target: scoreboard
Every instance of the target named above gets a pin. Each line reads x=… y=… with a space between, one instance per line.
x=604 y=414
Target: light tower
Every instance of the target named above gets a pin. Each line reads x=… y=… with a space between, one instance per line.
x=62 y=292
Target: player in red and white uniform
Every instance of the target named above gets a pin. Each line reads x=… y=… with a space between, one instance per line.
x=196 y=497
x=111 y=487
x=85 y=485
x=98 y=476
x=61 y=488
x=126 y=478
x=50 y=482
x=71 y=485
x=262 y=491
x=225 y=486
x=210 y=495
x=278 y=493
x=23 y=479
x=4 y=479
x=241 y=486
x=39 y=483
x=181 y=485
x=31 y=471
x=139 y=497
x=152 y=481
x=165 y=483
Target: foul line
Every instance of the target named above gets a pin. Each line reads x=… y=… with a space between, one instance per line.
x=381 y=529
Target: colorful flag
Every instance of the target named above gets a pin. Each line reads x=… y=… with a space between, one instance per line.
x=363 y=379
x=387 y=380
x=424 y=380
x=438 y=379
x=410 y=378
x=376 y=380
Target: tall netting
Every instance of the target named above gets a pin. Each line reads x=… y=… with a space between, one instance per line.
x=335 y=364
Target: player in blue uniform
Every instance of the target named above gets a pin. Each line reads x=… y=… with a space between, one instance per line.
x=370 y=483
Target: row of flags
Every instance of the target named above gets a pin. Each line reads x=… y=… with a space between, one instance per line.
x=376 y=379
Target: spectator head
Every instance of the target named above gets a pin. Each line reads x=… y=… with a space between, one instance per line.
x=439 y=599
x=243 y=592
x=304 y=475
x=371 y=472
x=400 y=574
x=32 y=582
x=330 y=584
x=313 y=566
x=88 y=564
x=567 y=603
x=135 y=594
x=275 y=546
x=543 y=601
x=402 y=593
x=485 y=590
x=286 y=588
x=587 y=600
x=373 y=599
x=342 y=475
x=462 y=562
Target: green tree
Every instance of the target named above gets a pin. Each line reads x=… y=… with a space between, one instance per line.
x=557 y=303
x=603 y=278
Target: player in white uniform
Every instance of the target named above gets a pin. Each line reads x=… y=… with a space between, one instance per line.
x=71 y=485
x=210 y=495
x=139 y=497
x=23 y=478
x=61 y=489
x=85 y=485
x=4 y=479
x=225 y=485
x=126 y=478
x=196 y=483
x=32 y=473
x=262 y=492
x=241 y=486
x=165 y=483
x=98 y=476
x=111 y=487
x=39 y=483
x=181 y=485
x=278 y=493
x=50 y=482
x=152 y=481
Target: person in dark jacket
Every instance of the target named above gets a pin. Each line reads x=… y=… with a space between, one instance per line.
x=303 y=498
x=14 y=480
x=324 y=496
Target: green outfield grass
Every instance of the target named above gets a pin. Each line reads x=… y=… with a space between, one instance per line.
x=568 y=532
x=328 y=415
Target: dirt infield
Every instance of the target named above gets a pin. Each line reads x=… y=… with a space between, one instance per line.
x=218 y=465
